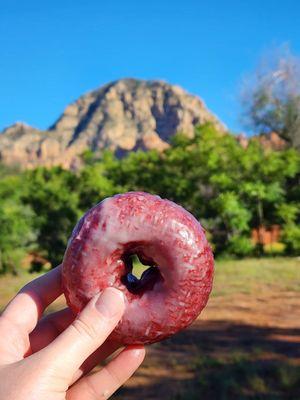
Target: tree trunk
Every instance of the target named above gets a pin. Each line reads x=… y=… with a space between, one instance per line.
x=260 y=214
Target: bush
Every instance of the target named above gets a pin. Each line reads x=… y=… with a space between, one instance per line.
x=53 y=196
x=274 y=248
x=16 y=234
x=291 y=238
x=240 y=246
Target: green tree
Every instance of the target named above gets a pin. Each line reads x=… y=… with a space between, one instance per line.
x=234 y=218
x=229 y=188
x=265 y=182
x=93 y=182
x=17 y=235
x=137 y=171
x=192 y=172
x=53 y=196
x=271 y=97
x=289 y=215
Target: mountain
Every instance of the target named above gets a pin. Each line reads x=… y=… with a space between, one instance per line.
x=268 y=140
x=124 y=115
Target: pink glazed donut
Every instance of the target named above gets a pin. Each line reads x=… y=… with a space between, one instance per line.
x=175 y=288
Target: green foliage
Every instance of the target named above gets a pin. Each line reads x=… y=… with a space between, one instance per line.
x=53 y=196
x=264 y=180
x=16 y=229
x=234 y=218
x=290 y=217
x=230 y=189
x=273 y=249
x=288 y=212
x=138 y=171
x=271 y=97
x=240 y=245
x=291 y=237
x=234 y=214
x=93 y=184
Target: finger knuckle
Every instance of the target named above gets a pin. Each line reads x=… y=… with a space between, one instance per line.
x=113 y=376
x=93 y=390
x=85 y=329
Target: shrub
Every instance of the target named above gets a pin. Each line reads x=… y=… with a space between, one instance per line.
x=240 y=246
x=274 y=248
x=291 y=238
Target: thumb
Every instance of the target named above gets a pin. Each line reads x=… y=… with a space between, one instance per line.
x=88 y=331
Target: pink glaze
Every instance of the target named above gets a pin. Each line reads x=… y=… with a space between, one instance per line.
x=160 y=232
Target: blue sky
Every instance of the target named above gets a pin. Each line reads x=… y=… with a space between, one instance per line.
x=53 y=51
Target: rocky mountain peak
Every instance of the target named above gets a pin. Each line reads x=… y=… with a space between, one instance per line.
x=124 y=115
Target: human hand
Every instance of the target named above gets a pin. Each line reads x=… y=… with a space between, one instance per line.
x=49 y=358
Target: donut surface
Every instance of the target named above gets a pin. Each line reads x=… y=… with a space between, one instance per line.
x=174 y=289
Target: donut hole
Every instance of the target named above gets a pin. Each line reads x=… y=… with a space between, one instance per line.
x=141 y=273
x=138 y=268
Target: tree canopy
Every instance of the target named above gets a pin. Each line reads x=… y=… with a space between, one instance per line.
x=229 y=188
x=271 y=96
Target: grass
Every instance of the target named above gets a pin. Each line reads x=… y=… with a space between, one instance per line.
x=243 y=377
x=229 y=359
x=248 y=276
x=234 y=276
x=10 y=284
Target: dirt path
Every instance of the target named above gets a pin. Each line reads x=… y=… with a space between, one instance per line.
x=266 y=328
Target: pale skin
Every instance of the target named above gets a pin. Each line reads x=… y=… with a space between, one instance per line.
x=50 y=358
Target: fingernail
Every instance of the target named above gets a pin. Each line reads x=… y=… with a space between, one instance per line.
x=137 y=351
x=110 y=302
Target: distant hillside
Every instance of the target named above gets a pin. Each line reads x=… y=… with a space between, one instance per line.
x=124 y=115
x=268 y=140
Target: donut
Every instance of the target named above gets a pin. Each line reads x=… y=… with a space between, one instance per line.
x=171 y=292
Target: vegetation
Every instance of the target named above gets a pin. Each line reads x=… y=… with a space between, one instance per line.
x=53 y=197
x=17 y=233
x=251 y=276
x=231 y=189
x=271 y=97
x=241 y=375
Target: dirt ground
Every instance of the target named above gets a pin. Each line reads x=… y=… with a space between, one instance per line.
x=267 y=326
x=245 y=345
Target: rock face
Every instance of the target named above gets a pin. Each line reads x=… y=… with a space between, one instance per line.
x=270 y=141
x=124 y=115
x=25 y=146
